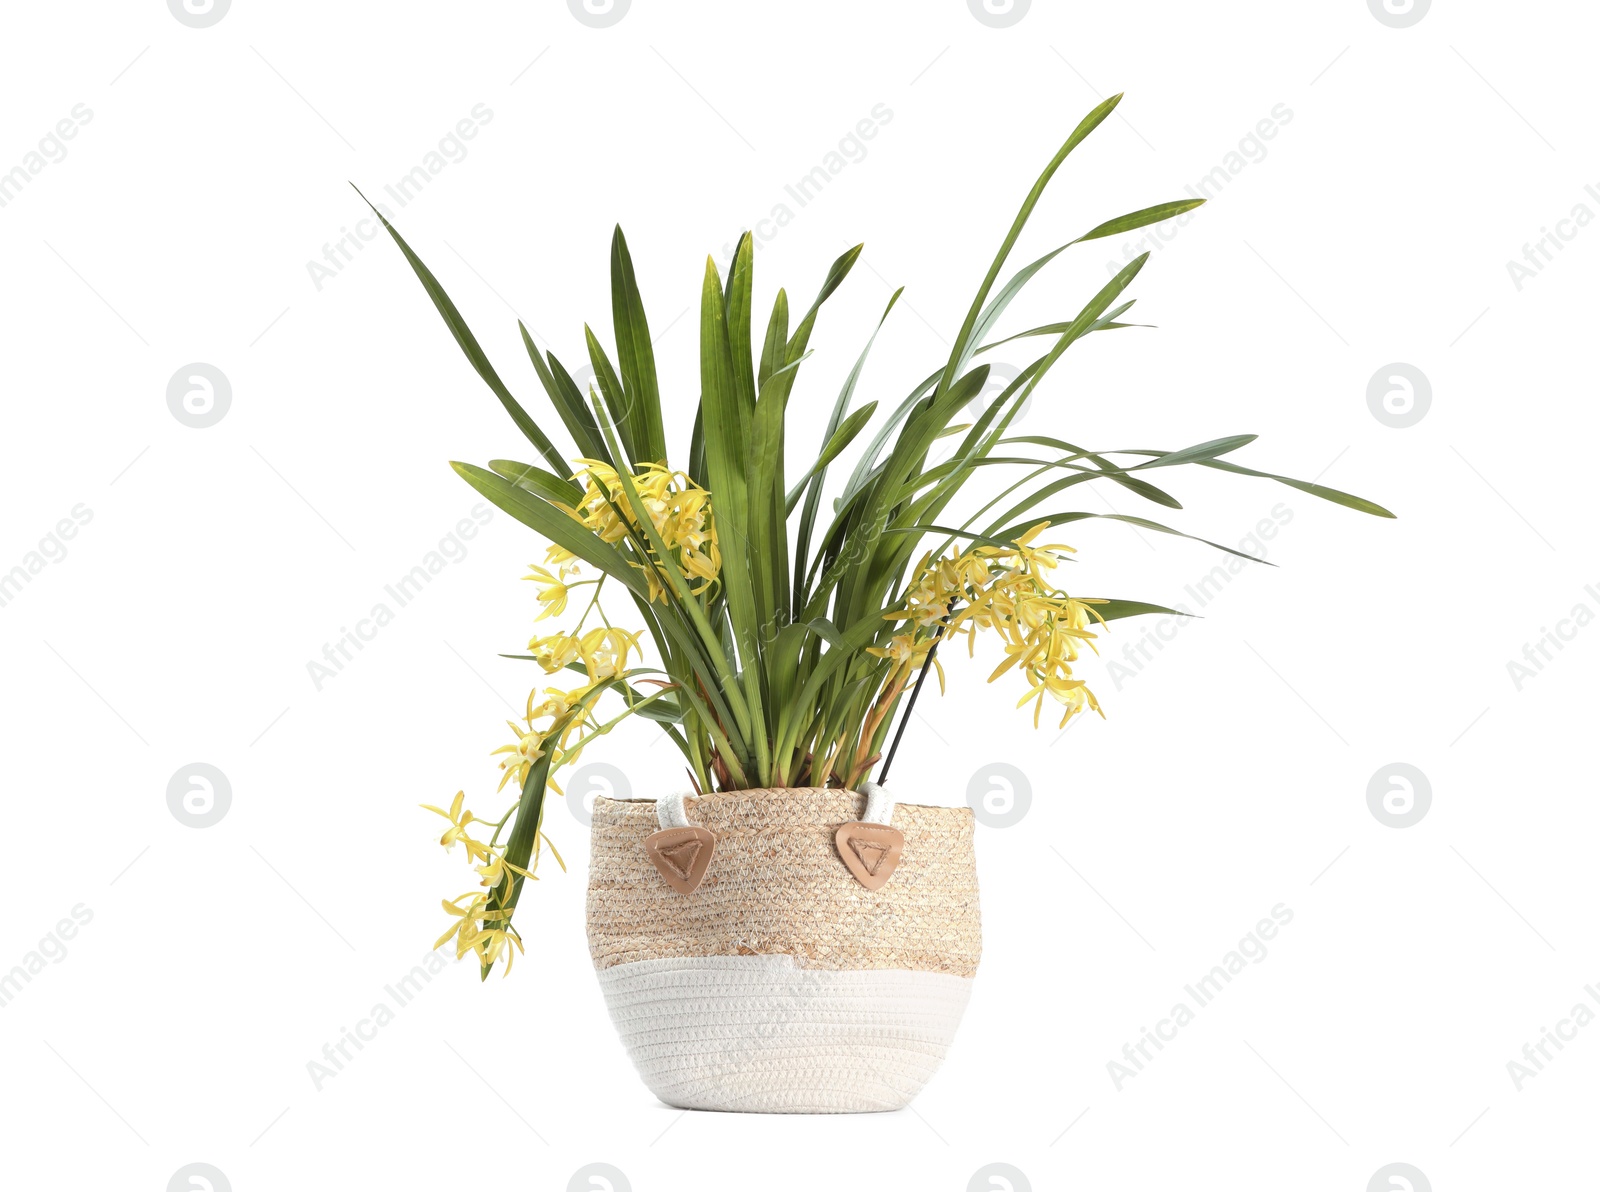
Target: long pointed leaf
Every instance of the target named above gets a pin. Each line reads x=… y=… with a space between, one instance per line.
x=741 y=278
x=962 y=349
x=573 y=406
x=555 y=525
x=773 y=348
x=1199 y=452
x=611 y=392
x=469 y=345
x=548 y=485
x=841 y=439
x=1061 y=519
x=635 y=356
x=1141 y=218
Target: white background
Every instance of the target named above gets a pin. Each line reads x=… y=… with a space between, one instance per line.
x=1230 y=775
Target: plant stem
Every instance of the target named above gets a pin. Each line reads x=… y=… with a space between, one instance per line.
x=922 y=677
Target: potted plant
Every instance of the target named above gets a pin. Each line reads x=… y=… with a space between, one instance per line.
x=786 y=936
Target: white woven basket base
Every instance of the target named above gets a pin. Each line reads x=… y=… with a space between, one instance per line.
x=758 y=1035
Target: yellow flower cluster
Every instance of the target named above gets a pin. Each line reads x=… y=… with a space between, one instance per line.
x=472 y=933
x=679 y=509
x=1004 y=589
x=477 y=928
x=555 y=719
x=603 y=653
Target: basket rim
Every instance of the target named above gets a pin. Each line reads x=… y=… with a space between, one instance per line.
x=780 y=791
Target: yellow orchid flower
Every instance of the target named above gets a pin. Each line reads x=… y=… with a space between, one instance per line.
x=495 y=871
x=552 y=593
x=657 y=590
x=456 y=833
x=527 y=750
x=555 y=652
x=902 y=649
x=490 y=944
x=470 y=920
x=604 y=652
x=557 y=702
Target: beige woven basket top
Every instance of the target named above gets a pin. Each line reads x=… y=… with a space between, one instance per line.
x=777 y=886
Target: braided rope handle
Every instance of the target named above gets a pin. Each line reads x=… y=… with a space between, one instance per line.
x=880 y=804
x=670 y=812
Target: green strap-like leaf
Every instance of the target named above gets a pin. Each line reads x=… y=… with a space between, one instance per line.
x=965 y=340
x=835 y=433
x=548 y=485
x=1105 y=322
x=1123 y=223
x=766 y=525
x=1132 y=483
x=1348 y=500
x=555 y=525
x=981 y=439
x=697 y=448
x=573 y=406
x=801 y=339
x=636 y=356
x=1199 y=452
x=1061 y=519
x=773 y=348
x=741 y=279
x=611 y=392
x=841 y=439
x=469 y=346
x=1115 y=610
x=1142 y=218
x=1336 y=496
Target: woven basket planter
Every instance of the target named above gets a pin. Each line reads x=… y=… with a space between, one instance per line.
x=781 y=984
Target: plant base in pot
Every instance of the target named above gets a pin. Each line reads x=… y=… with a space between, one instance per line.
x=781 y=984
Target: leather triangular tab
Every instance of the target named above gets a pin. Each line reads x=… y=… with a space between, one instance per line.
x=871 y=855
x=869 y=851
x=681 y=856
